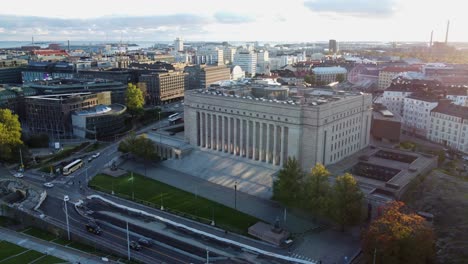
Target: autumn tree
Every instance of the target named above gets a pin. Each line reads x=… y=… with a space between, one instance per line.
x=287 y=187
x=399 y=237
x=10 y=134
x=316 y=190
x=134 y=100
x=346 y=201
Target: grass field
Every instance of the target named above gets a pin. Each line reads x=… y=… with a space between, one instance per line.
x=12 y=254
x=152 y=192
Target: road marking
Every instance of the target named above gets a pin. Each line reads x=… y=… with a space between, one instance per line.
x=154 y=250
x=22 y=241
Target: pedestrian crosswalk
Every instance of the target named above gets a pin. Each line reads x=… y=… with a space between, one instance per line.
x=298 y=256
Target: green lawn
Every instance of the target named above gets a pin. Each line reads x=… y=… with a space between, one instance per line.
x=35 y=232
x=150 y=192
x=8 y=249
x=6 y=221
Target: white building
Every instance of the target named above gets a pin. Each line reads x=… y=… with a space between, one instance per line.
x=387 y=74
x=417 y=114
x=328 y=74
x=237 y=73
x=263 y=64
x=179 y=44
x=394 y=99
x=459 y=99
x=209 y=55
x=247 y=60
x=228 y=54
x=270 y=130
x=449 y=126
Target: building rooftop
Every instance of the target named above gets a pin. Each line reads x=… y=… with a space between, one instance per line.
x=329 y=70
x=452 y=109
x=101 y=110
x=72 y=83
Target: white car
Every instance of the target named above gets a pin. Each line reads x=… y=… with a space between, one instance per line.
x=19 y=175
x=96 y=155
x=66 y=198
x=48 y=185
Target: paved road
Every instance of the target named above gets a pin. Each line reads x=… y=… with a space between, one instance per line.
x=112 y=236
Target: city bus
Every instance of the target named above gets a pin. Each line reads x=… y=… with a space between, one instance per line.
x=70 y=168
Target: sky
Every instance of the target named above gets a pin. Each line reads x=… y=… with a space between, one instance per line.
x=238 y=20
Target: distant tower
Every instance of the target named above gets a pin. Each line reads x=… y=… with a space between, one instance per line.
x=179 y=44
x=332 y=47
x=446 y=33
x=430 y=42
x=32 y=40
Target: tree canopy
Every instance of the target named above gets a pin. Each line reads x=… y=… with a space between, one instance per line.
x=10 y=133
x=134 y=99
x=288 y=186
x=346 y=201
x=317 y=190
x=140 y=146
x=399 y=237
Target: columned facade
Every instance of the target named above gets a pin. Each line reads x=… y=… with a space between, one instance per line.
x=271 y=132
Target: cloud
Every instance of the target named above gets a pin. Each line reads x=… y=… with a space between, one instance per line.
x=370 y=8
x=160 y=26
x=232 y=18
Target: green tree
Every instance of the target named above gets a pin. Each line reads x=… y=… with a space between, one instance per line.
x=287 y=187
x=340 y=78
x=10 y=134
x=346 y=201
x=127 y=145
x=134 y=100
x=399 y=237
x=316 y=190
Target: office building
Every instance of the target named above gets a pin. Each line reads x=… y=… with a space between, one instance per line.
x=10 y=70
x=332 y=46
x=51 y=114
x=66 y=86
x=312 y=129
x=99 y=122
x=44 y=70
x=449 y=126
x=201 y=76
x=163 y=87
x=228 y=55
x=247 y=60
x=179 y=44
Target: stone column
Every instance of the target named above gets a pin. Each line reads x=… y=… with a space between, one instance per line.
x=275 y=145
x=261 y=146
x=282 y=147
x=235 y=136
x=206 y=130
x=229 y=135
x=212 y=132
x=268 y=148
x=254 y=140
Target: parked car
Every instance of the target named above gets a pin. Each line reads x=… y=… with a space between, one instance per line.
x=134 y=245
x=96 y=155
x=19 y=175
x=48 y=185
x=145 y=242
x=90 y=159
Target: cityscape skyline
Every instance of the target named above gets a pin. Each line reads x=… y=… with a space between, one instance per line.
x=389 y=20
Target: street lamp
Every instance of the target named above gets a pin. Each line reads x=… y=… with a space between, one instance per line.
x=235 y=195
x=66 y=199
x=133 y=192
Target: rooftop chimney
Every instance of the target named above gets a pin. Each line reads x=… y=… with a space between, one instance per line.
x=446 y=33
x=430 y=42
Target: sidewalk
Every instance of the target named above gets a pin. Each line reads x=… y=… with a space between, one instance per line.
x=265 y=210
x=48 y=248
